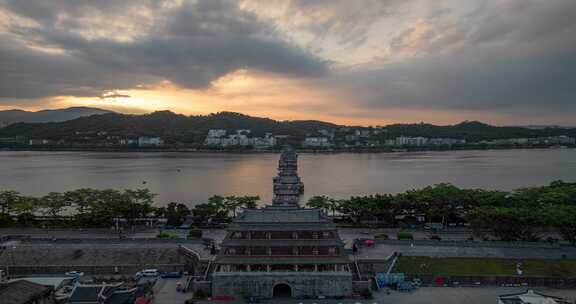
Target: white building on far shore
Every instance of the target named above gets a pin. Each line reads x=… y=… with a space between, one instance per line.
x=150 y=141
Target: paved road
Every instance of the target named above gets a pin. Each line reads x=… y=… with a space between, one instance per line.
x=165 y=292
x=427 y=295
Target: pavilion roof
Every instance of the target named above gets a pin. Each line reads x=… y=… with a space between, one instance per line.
x=280 y=215
x=280 y=227
x=294 y=242
x=342 y=259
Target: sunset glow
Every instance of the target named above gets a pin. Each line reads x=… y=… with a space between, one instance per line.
x=368 y=63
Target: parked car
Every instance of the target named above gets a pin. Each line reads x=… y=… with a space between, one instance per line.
x=147 y=273
x=171 y=275
x=74 y=274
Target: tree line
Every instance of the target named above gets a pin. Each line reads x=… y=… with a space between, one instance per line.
x=519 y=215
x=91 y=208
x=522 y=214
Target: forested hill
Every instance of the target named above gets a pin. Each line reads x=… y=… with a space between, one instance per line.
x=474 y=131
x=182 y=128
x=13 y=116
x=164 y=124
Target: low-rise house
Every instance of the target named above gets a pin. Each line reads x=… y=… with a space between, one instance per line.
x=218 y=138
x=127 y=141
x=411 y=141
x=36 y=142
x=316 y=142
x=446 y=141
x=25 y=292
x=531 y=297
x=150 y=141
x=103 y=294
x=216 y=133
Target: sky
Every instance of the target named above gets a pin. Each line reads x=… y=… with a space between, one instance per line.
x=363 y=62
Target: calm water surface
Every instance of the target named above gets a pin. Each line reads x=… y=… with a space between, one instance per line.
x=193 y=177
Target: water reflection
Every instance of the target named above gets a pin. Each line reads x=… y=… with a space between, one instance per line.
x=193 y=177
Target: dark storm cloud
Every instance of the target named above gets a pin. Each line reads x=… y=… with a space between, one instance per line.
x=490 y=56
x=27 y=73
x=190 y=45
x=515 y=56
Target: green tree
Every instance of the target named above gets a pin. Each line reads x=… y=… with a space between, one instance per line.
x=319 y=202
x=176 y=213
x=25 y=210
x=8 y=199
x=83 y=199
x=53 y=204
x=563 y=219
x=135 y=204
x=509 y=224
x=248 y=202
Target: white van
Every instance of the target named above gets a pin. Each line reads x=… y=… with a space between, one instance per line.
x=147 y=273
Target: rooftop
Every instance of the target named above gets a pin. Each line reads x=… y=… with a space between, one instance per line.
x=90 y=293
x=281 y=216
x=22 y=291
x=292 y=242
x=531 y=297
x=283 y=260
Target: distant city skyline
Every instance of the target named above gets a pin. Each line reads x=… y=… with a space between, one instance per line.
x=503 y=62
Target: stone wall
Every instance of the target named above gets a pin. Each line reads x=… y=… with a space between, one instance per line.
x=203 y=286
x=129 y=270
x=361 y=287
x=302 y=285
x=97 y=259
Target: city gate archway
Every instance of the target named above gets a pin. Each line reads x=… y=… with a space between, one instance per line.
x=282 y=291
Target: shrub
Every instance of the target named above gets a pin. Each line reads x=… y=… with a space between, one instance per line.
x=6 y=220
x=78 y=253
x=195 y=233
x=366 y=294
x=165 y=235
x=404 y=235
x=381 y=236
x=200 y=295
x=435 y=237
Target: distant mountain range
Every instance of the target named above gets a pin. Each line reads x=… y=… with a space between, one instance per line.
x=193 y=129
x=8 y=117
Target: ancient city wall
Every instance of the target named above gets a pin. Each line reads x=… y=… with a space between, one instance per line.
x=262 y=285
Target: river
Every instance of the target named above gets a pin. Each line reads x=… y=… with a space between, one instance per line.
x=193 y=177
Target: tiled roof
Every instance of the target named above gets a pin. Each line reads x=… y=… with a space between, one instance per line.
x=531 y=297
x=122 y=297
x=22 y=291
x=294 y=242
x=282 y=216
x=282 y=260
x=85 y=294
x=91 y=293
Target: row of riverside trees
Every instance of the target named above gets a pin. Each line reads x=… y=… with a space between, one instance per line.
x=504 y=215
x=519 y=215
x=91 y=208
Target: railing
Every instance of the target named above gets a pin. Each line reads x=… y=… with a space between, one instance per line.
x=208 y=269
x=357 y=267
x=189 y=252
